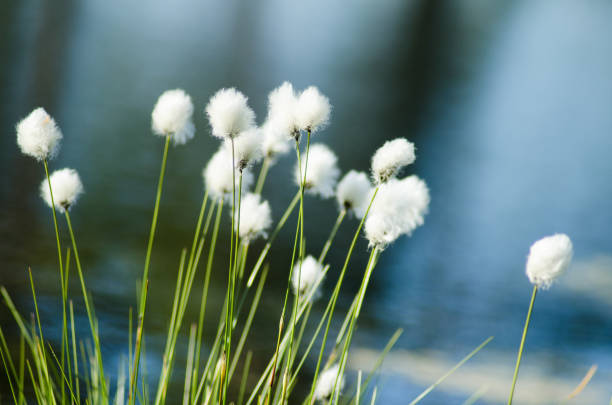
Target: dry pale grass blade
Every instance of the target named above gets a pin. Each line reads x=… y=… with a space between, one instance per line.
x=585 y=381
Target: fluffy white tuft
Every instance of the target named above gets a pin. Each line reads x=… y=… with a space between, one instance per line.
x=548 y=259
x=312 y=110
x=255 y=217
x=275 y=140
x=353 y=193
x=390 y=158
x=67 y=187
x=282 y=104
x=321 y=171
x=173 y=116
x=398 y=209
x=38 y=135
x=218 y=175
x=229 y=113
x=307 y=278
x=247 y=147
x=326 y=382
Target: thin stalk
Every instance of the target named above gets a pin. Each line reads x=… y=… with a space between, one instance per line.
x=197 y=231
x=245 y=375
x=520 y=352
x=263 y=172
x=332 y=235
x=90 y=315
x=74 y=354
x=189 y=365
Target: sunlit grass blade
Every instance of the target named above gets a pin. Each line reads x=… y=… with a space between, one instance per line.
x=189 y=365
x=476 y=395
x=245 y=375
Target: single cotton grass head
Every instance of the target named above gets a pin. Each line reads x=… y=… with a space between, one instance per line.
x=255 y=217
x=306 y=278
x=219 y=177
x=173 y=116
x=229 y=113
x=353 y=193
x=321 y=166
x=312 y=110
x=325 y=384
x=398 y=209
x=247 y=148
x=275 y=141
x=282 y=105
x=390 y=158
x=67 y=187
x=38 y=135
x=548 y=259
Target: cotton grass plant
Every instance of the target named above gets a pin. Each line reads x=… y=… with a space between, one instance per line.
x=383 y=205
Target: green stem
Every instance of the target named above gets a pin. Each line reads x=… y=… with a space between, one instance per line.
x=263 y=172
x=332 y=235
x=520 y=352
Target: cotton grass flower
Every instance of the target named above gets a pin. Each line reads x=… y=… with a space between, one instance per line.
x=282 y=105
x=247 y=148
x=548 y=259
x=312 y=110
x=325 y=383
x=255 y=217
x=307 y=278
x=398 y=209
x=321 y=171
x=38 y=135
x=67 y=187
x=173 y=116
x=219 y=177
x=353 y=193
x=390 y=158
x=229 y=113
x=275 y=142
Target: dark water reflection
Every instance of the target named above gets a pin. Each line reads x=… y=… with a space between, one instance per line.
x=508 y=106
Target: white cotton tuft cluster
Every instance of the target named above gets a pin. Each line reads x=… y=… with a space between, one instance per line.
x=67 y=187
x=229 y=113
x=353 y=193
x=282 y=104
x=548 y=259
x=173 y=116
x=398 y=209
x=312 y=110
x=247 y=147
x=390 y=158
x=275 y=141
x=307 y=278
x=218 y=175
x=38 y=135
x=326 y=382
x=321 y=171
x=255 y=217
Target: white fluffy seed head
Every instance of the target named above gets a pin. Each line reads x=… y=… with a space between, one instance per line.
x=390 y=158
x=247 y=147
x=326 y=382
x=275 y=141
x=218 y=175
x=66 y=186
x=312 y=110
x=255 y=217
x=282 y=104
x=307 y=277
x=38 y=135
x=321 y=171
x=353 y=193
x=229 y=113
x=548 y=259
x=173 y=116
x=398 y=209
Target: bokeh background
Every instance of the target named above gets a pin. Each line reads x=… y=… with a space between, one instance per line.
x=508 y=104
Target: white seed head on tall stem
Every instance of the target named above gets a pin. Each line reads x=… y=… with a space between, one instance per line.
x=229 y=113
x=390 y=158
x=38 y=135
x=321 y=171
x=311 y=275
x=66 y=186
x=325 y=383
x=173 y=116
x=275 y=141
x=548 y=258
x=247 y=147
x=218 y=175
x=313 y=110
x=255 y=217
x=353 y=193
x=282 y=104
x=398 y=209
